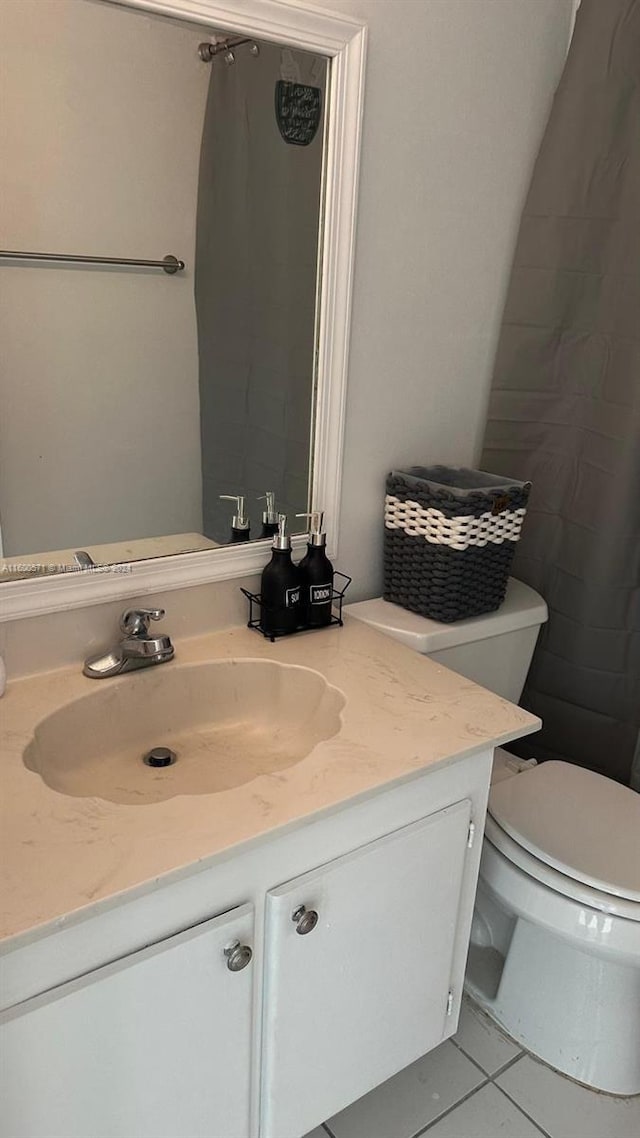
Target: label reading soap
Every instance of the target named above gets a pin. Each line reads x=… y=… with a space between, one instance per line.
x=292 y=597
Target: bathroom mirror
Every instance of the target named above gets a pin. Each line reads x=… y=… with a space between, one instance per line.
x=178 y=182
x=133 y=398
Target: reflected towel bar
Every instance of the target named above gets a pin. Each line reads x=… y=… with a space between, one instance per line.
x=170 y=264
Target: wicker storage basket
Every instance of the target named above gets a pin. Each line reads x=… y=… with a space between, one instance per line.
x=449 y=539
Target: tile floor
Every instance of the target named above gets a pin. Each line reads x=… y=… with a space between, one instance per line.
x=481 y=1085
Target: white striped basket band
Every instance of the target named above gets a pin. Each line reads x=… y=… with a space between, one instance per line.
x=456 y=533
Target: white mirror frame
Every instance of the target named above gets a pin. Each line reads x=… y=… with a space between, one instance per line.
x=343 y=41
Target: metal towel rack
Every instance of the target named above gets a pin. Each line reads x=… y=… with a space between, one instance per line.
x=170 y=264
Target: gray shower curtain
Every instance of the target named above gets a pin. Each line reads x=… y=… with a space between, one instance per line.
x=565 y=405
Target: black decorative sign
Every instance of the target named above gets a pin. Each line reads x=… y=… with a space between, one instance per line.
x=298 y=111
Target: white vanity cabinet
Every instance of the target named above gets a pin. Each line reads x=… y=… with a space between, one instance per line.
x=359 y=924
x=359 y=957
x=156 y=1045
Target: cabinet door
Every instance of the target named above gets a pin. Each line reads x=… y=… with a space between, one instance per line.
x=364 y=992
x=156 y=1045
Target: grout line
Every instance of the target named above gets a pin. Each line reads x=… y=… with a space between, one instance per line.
x=523 y=1111
x=487 y=1074
x=329 y=1132
x=506 y=1066
x=469 y=1057
x=469 y=1094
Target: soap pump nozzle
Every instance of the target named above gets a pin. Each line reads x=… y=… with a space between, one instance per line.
x=240 y=522
x=281 y=539
x=270 y=514
x=317 y=536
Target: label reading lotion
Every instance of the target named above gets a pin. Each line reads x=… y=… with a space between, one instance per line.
x=292 y=597
x=320 y=594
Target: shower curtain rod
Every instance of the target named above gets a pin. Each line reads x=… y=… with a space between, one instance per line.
x=170 y=264
x=208 y=51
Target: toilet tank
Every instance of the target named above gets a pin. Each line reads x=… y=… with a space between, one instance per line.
x=494 y=650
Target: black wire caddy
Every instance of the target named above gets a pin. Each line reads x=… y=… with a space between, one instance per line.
x=257 y=607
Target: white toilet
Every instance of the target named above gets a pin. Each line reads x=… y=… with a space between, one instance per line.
x=555 y=943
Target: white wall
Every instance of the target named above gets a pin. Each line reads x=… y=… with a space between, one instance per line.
x=458 y=92
x=457 y=96
x=100 y=131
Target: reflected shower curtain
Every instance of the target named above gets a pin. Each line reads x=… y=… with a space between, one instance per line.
x=255 y=288
x=565 y=406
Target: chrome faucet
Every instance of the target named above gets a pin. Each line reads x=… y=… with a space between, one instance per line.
x=83 y=560
x=137 y=649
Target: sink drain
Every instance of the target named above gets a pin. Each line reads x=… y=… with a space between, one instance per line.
x=159 y=757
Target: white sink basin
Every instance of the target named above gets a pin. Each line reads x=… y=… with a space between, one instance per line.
x=228 y=721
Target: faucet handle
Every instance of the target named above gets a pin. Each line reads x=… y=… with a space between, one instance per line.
x=135 y=622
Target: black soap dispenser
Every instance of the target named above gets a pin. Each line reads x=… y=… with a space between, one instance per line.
x=316 y=575
x=280 y=588
x=240 y=529
x=269 y=516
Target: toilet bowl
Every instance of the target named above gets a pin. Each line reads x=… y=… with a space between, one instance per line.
x=554 y=956
x=555 y=943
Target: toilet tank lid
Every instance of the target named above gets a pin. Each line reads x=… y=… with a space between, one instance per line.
x=522 y=608
x=577 y=821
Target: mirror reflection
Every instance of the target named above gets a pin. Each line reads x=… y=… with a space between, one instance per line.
x=149 y=409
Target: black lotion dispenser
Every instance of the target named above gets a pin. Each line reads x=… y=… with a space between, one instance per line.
x=316 y=575
x=240 y=527
x=280 y=588
x=269 y=515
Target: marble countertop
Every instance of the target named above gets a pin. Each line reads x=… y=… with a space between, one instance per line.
x=403 y=714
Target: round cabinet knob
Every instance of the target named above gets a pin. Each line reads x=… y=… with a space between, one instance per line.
x=305 y=920
x=238 y=956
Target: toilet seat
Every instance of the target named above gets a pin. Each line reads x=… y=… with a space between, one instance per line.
x=560 y=883
x=573 y=829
